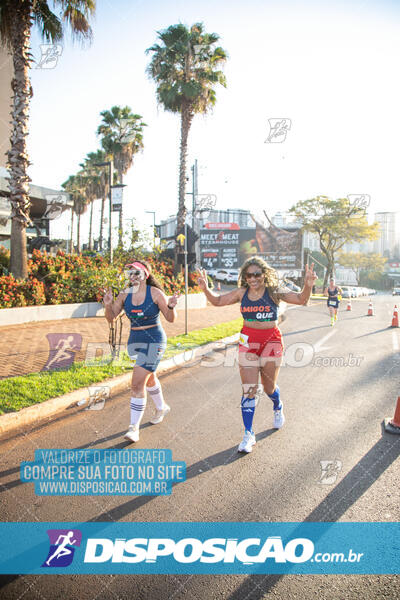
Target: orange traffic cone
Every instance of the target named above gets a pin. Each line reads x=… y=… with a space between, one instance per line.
x=349 y=305
x=370 y=312
x=395 y=320
x=393 y=425
x=219 y=286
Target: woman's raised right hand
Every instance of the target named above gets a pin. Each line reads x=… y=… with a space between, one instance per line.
x=108 y=297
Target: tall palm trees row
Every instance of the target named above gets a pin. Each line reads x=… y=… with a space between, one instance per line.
x=122 y=138
x=185 y=66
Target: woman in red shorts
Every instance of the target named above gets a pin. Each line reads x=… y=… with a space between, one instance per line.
x=260 y=342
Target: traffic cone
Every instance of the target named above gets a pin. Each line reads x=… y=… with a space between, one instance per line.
x=393 y=425
x=349 y=305
x=219 y=286
x=395 y=320
x=370 y=312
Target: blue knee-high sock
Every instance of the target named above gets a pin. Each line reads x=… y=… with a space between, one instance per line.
x=276 y=398
x=248 y=406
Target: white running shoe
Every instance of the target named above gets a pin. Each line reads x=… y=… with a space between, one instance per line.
x=279 y=418
x=246 y=445
x=132 y=434
x=160 y=414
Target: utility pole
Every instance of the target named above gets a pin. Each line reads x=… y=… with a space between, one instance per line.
x=194 y=189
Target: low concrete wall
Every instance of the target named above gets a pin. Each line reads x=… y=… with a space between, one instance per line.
x=29 y=314
x=194 y=301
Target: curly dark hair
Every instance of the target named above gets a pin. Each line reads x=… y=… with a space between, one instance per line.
x=271 y=280
x=151 y=280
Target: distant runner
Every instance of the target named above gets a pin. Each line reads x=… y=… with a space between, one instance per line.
x=147 y=342
x=260 y=342
x=334 y=294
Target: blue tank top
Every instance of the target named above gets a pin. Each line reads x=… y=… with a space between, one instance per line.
x=140 y=315
x=333 y=292
x=263 y=309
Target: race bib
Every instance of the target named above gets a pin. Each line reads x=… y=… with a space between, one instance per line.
x=244 y=340
x=332 y=303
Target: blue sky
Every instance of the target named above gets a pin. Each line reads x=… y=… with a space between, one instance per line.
x=329 y=67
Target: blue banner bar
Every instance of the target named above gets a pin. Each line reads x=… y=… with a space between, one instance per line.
x=209 y=548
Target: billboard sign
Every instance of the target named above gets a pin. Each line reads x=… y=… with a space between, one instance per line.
x=219 y=246
x=280 y=248
x=226 y=245
x=116 y=197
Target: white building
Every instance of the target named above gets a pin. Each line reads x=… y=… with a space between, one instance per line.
x=167 y=227
x=389 y=242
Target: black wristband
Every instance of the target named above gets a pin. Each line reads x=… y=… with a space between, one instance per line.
x=170 y=307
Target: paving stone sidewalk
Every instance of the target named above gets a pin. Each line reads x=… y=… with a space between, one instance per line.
x=25 y=348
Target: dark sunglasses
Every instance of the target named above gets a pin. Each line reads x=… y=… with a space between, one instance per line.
x=133 y=272
x=256 y=274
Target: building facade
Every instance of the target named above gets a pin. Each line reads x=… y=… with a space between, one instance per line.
x=388 y=243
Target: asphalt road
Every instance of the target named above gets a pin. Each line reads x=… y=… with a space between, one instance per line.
x=334 y=413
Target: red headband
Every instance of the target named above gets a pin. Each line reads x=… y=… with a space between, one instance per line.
x=138 y=265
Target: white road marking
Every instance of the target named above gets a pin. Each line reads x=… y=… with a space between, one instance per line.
x=319 y=345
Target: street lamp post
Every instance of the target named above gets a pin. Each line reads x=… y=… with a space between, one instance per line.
x=183 y=242
x=194 y=188
x=186 y=281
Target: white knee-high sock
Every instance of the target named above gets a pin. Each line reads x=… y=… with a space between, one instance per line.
x=137 y=409
x=157 y=395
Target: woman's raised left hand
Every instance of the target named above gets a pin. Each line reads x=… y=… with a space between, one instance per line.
x=173 y=300
x=310 y=275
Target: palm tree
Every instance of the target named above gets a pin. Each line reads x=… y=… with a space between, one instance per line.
x=185 y=68
x=68 y=186
x=80 y=207
x=77 y=186
x=122 y=137
x=16 y=20
x=93 y=159
x=97 y=187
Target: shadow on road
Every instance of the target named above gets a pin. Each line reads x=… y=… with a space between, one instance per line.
x=119 y=434
x=198 y=468
x=306 y=330
x=372 y=332
x=336 y=503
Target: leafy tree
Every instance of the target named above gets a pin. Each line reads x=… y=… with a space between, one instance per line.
x=16 y=20
x=185 y=67
x=336 y=222
x=358 y=262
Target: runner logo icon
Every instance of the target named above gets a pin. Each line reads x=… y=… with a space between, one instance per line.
x=62 y=542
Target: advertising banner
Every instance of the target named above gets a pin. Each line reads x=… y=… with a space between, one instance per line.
x=220 y=245
x=226 y=245
x=281 y=248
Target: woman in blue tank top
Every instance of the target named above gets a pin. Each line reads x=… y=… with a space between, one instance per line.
x=260 y=341
x=334 y=295
x=142 y=303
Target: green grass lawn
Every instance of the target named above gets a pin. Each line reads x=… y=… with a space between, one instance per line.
x=26 y=390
